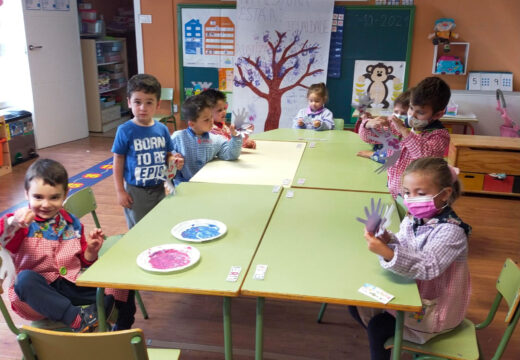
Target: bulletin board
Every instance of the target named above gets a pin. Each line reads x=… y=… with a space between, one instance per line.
x=370 y=33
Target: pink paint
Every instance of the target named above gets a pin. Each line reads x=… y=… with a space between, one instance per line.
x=168 y=259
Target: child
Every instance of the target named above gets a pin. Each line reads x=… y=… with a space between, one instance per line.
x=316 y=116
x=431 y=247
x=197 y=144
x=218 y=104
x=401 y=105
x=424 y=136
x=49 y=248
x=142 y=149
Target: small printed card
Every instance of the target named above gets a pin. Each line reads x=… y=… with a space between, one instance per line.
x=260 y=272
x=276 y=188
x=286 y=182
x=376 y=293
x=312 y=145
x=301 y=181
x=234 y=272
x=290 y=194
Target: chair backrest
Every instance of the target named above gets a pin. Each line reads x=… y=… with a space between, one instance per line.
x=508 y=285
x=339 y=124
x=54 y=345
x=167 y=94
x=81 y=203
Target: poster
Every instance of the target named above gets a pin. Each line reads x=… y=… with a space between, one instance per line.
x=382 y=81
x=208 y=37
x=281 y=49
x=32 y=5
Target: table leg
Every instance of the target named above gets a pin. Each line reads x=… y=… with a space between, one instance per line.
x=398 y=337
x=228 y=346
x=100 y=301
x=259 y=341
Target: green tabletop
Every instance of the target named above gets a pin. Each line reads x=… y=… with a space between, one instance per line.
x=315 y=251
x=245 y=209
x=335 y=165
x=302 y=135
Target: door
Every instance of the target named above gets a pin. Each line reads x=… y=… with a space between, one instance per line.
x=54 y=54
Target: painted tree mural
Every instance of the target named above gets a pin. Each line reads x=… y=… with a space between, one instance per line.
x=287 y=64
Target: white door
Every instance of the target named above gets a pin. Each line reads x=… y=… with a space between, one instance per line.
x=54 y=54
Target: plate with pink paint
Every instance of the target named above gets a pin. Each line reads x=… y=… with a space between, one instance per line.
x=168 y=258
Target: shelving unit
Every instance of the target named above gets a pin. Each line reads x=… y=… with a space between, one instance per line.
x=5 y=159
x=454 y=62
x=105 y=72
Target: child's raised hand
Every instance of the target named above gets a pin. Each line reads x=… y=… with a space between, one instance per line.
x=233 y=130
x=94 y=243
x=179 y=161
x=124 y=199
x=23 y=217
x=316 y=123
x=365 y=154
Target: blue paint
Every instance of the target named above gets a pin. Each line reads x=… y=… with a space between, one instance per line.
x=201 y=232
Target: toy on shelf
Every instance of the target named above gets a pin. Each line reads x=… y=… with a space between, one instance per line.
x=443 y=32
x=447 y=64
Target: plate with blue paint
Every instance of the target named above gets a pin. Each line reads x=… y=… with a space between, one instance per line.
x=199 y=230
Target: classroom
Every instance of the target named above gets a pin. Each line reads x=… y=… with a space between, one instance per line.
x=272 y=260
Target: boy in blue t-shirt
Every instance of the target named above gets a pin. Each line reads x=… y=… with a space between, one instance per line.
x=197 y=144
x=142 y=149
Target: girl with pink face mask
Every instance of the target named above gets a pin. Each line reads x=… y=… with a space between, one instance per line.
x=430 y=247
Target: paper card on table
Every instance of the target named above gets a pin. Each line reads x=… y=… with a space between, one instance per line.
x=290 y=194
x=234 y=272
x=312 y=145
x=260 y=272
x=276 y=188
x=301 y=181
x=286 y=181
x=376 y=293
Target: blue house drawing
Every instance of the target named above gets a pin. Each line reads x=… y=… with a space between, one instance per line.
x=193 y=37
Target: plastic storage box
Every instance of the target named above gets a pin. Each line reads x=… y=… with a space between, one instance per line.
x=21 y=144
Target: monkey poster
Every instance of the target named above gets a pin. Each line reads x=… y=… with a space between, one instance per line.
x=382 y=81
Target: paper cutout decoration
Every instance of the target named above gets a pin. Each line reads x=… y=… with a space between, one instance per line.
x=242 y=126
x=364 y=102
x=389 y=142
x=389 y=161
x=7 y=269
x=169 y=174
x=378 y=217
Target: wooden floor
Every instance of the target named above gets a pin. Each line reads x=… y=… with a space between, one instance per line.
x=194 y=323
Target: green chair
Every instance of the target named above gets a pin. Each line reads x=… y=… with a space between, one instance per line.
x=167 y=95
x=118 y=345
x=80 y=204
x=462 y=342
x=339 y=124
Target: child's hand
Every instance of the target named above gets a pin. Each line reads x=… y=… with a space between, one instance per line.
x=379 y=247
x=316 y=123
x=23 y=217
x=399 y=125
x=179 y=161
x=94 y=243
x=250 y=144
x=365 y=154
x=377 y=123
x=301 y=122
x=124 y=199
x=233 y=130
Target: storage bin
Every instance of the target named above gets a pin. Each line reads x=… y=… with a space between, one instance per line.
x=117 y=75
x=496 y=185
x=110 y=114
x=88 y=14
x=471 y=181
x=516 y=185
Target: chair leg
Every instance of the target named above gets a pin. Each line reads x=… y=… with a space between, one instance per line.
x=141 y=304
x=322 y=311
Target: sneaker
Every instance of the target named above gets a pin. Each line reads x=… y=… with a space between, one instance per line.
x=89 y=316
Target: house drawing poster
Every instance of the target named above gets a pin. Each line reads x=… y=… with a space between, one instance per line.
x=281 y=50
x=208 y=37
x=381 y=80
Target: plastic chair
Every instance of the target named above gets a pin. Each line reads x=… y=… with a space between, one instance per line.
x=167 y=95
x=118 y=345
x=462 y=342
x=80 y=204
x=339 y=124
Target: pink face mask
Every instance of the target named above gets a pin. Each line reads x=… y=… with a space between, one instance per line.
x=422 y=206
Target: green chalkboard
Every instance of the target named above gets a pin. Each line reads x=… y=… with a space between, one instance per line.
x=370 y=33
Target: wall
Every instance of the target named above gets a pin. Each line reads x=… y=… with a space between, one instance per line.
x=491 y=26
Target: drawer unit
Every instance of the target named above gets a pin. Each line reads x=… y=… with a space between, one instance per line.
x=475 y=159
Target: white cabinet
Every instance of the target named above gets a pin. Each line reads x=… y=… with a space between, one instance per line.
x=105 y=70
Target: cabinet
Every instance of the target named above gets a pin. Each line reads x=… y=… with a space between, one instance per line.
x=5 y=156
x=105 y=72
x=479 y=156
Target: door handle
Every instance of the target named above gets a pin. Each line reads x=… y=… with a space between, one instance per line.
x=33 y=47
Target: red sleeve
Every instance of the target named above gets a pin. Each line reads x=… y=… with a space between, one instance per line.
x=83 y=242
x=13 y=244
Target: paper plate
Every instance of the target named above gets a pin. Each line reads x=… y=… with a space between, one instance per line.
x=168 y=258
x=199 y=230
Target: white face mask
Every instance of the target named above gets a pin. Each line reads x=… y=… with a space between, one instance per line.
x=402 y=117
x=413 y=122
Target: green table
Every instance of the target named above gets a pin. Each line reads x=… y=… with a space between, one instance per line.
x=302 y=135
x=245 y=209
x=315 y=251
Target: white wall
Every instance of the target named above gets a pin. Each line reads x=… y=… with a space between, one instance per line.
x=483 y=104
